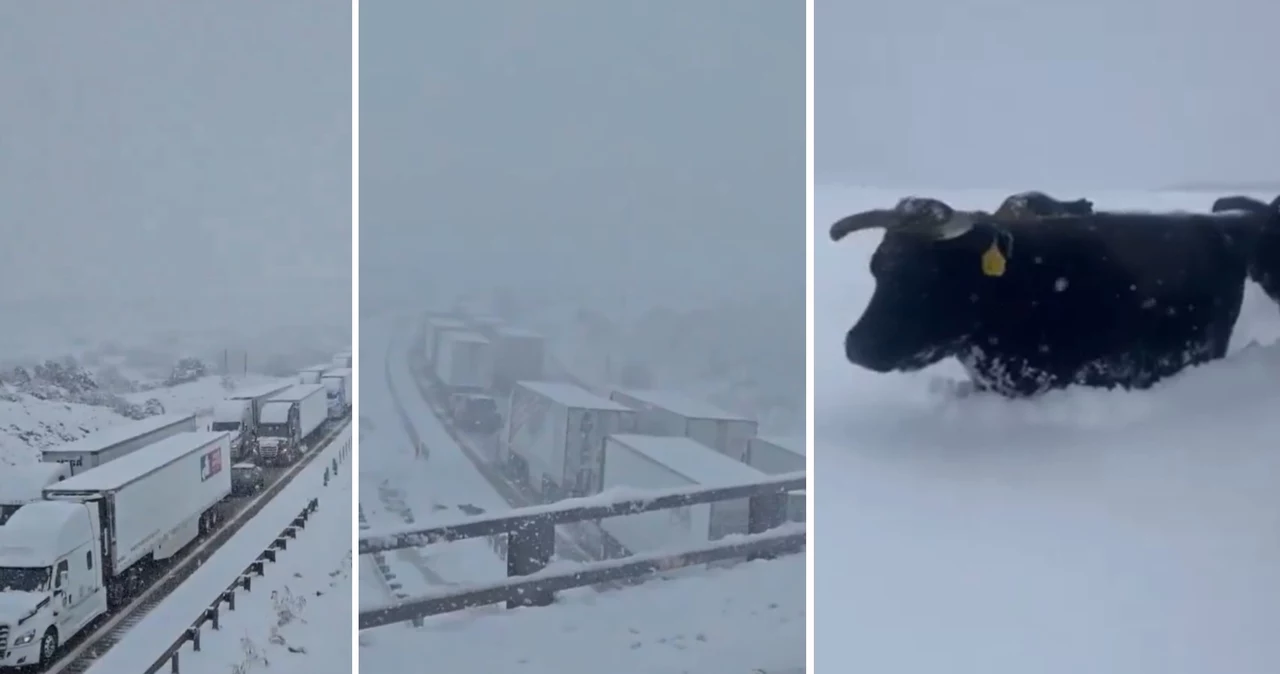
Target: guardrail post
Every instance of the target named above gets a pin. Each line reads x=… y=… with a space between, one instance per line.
x=212 y=614
x=765 y=512
x=326 y=476
x=173 y=664
x=281 y=544
x=231 y=598
x=529 y=548
x=194 y=633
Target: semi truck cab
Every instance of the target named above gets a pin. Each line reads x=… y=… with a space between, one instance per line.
x=235 y=417
x=51 y=579
x=279 y=431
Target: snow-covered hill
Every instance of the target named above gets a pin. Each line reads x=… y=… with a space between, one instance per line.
x=53 y=403
x=1083 y=531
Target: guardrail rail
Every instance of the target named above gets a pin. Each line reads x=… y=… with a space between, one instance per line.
x=530 y=544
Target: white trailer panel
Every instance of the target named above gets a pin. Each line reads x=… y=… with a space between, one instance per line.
x=674 y=413
x=110 y=444
x=313 y=406
x=156 y=492
x=519 y=355
x=775 y=456
x=338 y=384
x=436 y=327
x=668 y=462
x=464 y=360
x=259 y=395
x=559 y=431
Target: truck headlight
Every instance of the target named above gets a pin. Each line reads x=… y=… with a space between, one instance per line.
x=25 y=639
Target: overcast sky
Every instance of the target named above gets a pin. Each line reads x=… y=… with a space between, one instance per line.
x=579 y=144
x=176 y=150
x=1035 y=93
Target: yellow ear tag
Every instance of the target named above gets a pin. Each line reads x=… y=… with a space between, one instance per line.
x=993 y=261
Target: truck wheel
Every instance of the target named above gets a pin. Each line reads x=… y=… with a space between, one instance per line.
x=48 y=647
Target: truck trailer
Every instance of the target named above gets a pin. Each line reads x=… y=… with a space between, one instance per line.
x=69 y=559
x=289 y=421
x=337 y=384
x=678 y=414
x=555 y=435
x=313 y=373
x=668 y=462
x=464 y=362
x=109 y=444
x=437 y=327
x=518 y=355
x=20 y=485
x=774 y=456
x=343 y=359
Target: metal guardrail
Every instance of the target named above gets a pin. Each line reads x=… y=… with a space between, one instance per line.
x=530 y=544
x=211 y=615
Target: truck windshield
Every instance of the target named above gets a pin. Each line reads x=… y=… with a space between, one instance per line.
x=273 y=430
x=225 y=426
x=24 y=579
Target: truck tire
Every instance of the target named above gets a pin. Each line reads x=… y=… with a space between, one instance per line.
x=48 y=648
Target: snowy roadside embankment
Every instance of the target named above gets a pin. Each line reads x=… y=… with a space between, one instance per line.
x=747 y=618
x=332 y=523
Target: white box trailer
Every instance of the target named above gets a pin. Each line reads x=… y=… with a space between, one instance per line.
x=774 y=456
x=289 y=421
x=485 y=324
x=678 y=414
x=259 y=395
x=313 y=373
x=666 y=462
x=20 y=485
x=69 y=559
x=438 y=326
x=343 y=359
x=464 y=361
x=337 y=384
x=109 y=444
x=519 y=355
x=557 y=431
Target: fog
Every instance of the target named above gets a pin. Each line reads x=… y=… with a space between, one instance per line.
x=613 y=149
x=174 y=167
x=1032 y=93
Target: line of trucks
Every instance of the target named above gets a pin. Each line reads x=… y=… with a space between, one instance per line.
x=560 y=440
x=83 y=530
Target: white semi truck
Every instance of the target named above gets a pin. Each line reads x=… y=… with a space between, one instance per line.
x=289 y=421
x=678 y=414
x=114 y=442
x=239 y=414
x=69 y=559
x=666 y=462
x=518 y=355
x=464 y=362
x=343 y=359
x=555 y=435
x=20 y=485
x=438 y=326
x=337 y=384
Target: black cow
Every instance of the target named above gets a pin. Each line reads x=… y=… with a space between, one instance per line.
x=1105 y=300
x=1264 y=259
x=1027 y=205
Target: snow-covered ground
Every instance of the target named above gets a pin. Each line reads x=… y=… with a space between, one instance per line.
x=745 y=619
x=29 y=424
x=1084 y=531
x=296 y=619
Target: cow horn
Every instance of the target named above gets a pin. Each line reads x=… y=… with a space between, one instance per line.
x=880 y=218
